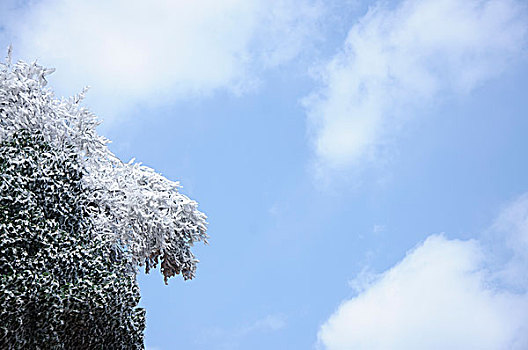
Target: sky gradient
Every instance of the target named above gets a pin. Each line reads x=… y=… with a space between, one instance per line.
x=362 y=164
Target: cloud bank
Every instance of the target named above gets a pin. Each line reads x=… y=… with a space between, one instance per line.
x=445 y=294
x=133 y=51
x=397 y=60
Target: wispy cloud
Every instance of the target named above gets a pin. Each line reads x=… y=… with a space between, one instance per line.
x=224 y=338
x=136 y=51
x=399 y=59
x=446 y=294
x=507 y=241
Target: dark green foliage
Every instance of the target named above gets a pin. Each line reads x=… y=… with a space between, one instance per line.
x=62 y=286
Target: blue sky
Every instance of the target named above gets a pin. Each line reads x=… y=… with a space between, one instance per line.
x=362 y=164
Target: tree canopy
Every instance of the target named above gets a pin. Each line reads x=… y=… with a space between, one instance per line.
x=76 y=222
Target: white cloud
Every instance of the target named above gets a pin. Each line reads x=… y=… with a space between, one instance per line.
x=378 y=228
x=509 y=244
x=141 y=51
x=231 y=338
x=445 y=294
x=514 y=221
x=268 y=323
x=396 y=60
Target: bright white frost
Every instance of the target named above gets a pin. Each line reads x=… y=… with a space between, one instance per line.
x=141 y=210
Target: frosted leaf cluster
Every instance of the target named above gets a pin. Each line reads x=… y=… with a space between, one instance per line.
x=141 y=211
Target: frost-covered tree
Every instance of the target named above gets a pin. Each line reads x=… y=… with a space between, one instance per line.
x=63 y=286
x=76 y=222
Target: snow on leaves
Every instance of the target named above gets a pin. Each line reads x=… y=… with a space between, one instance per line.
x=141 y=211
x=62 y=285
